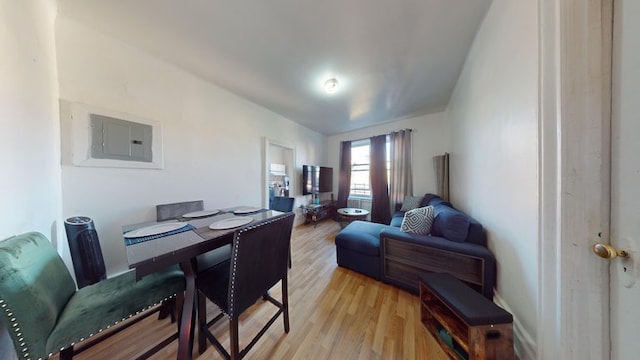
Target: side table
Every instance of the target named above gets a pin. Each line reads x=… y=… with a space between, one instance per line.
x=318 y=212
x=347 y=215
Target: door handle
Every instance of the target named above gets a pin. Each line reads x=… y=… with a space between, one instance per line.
x=607 y=251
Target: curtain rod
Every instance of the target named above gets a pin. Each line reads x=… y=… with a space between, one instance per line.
x=394 y=131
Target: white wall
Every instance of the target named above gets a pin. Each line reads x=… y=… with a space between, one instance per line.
x=429 y=137
x=29 y=147
x=29 y=119
x=494 y=155
x=213 y=148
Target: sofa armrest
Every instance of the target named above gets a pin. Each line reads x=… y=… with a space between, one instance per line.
x=415 y=254
x=439 y=243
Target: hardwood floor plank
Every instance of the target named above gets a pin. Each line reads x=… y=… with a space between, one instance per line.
x=335 y=313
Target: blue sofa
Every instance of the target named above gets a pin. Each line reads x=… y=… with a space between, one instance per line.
x=456 y=245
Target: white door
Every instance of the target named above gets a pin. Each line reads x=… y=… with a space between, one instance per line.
x=625 y=182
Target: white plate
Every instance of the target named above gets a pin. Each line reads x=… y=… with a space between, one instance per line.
x=155 y=229
x=230 y=223
x=202 y=213
x=246 y=209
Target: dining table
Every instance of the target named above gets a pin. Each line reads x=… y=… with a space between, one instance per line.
x=150 y=248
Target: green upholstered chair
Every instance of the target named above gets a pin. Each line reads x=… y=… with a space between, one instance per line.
x=45 y=314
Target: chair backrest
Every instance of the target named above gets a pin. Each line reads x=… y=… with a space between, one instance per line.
x=35 y=286
x=259 y=259
x=174 y=210
x=282 y=203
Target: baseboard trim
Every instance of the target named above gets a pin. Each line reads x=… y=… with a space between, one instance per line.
x=525 y=346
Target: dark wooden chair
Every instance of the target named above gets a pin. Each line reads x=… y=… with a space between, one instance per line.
x=281 y=203
x=284 y=204
x=172 y=211
x=258 y=262
x=45 y=314
x=165 y=212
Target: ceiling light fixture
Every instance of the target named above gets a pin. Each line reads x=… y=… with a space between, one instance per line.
x=331 y=85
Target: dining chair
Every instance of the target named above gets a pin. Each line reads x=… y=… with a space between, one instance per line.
x=281 y=203
x=45 y=314
x=88 y=261
x=174 y=210
x=284 y=204
x=204 y=261
x=258 y=262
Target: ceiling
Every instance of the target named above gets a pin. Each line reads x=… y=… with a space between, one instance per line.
x=393 y=59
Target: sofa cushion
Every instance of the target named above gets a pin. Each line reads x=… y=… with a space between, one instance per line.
x=476 y=234
x=411 y=202
x=427 y=198
x=362 y=237
x=435 y=201
x=418 y=221
x=396 y=219
x=450 y=224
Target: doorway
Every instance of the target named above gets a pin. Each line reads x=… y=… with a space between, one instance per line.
x=625 y=177
x=574 y=178
x=279 y=170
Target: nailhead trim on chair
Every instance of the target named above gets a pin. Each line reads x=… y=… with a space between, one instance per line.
x=16 y=326
x=235 y=256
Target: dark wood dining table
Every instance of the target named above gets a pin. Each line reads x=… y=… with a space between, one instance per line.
x=182 y=248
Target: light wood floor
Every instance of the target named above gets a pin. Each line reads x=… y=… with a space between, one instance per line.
x=335 y=313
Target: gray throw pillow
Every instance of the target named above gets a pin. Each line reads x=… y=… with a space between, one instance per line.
x=411 y=202
x=418 y=221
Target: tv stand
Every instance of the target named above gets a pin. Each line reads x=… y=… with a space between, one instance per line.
x=313 y=213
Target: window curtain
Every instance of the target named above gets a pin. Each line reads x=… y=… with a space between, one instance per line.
x=400 y=174
x=344 y=180
x=380 y=211
x=441 y=167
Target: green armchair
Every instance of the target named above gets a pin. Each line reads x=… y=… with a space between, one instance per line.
x=45 y=314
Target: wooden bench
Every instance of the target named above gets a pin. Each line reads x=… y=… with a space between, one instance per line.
x=465 y=324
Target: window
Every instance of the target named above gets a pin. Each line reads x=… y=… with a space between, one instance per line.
x=360 y=179
x=360 y=182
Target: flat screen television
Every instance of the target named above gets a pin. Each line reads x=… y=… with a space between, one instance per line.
x=316 y=179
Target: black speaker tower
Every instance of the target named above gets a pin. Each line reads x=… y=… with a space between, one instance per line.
x=86 y=253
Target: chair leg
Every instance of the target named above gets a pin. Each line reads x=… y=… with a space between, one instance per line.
x=167 y=308
x=202 y=322
x=178 y=307
x=66 y=354
x=285 y=304
x=234 y=342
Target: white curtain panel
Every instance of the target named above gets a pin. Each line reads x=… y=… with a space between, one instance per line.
x=400 y=177
x=441 y=167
